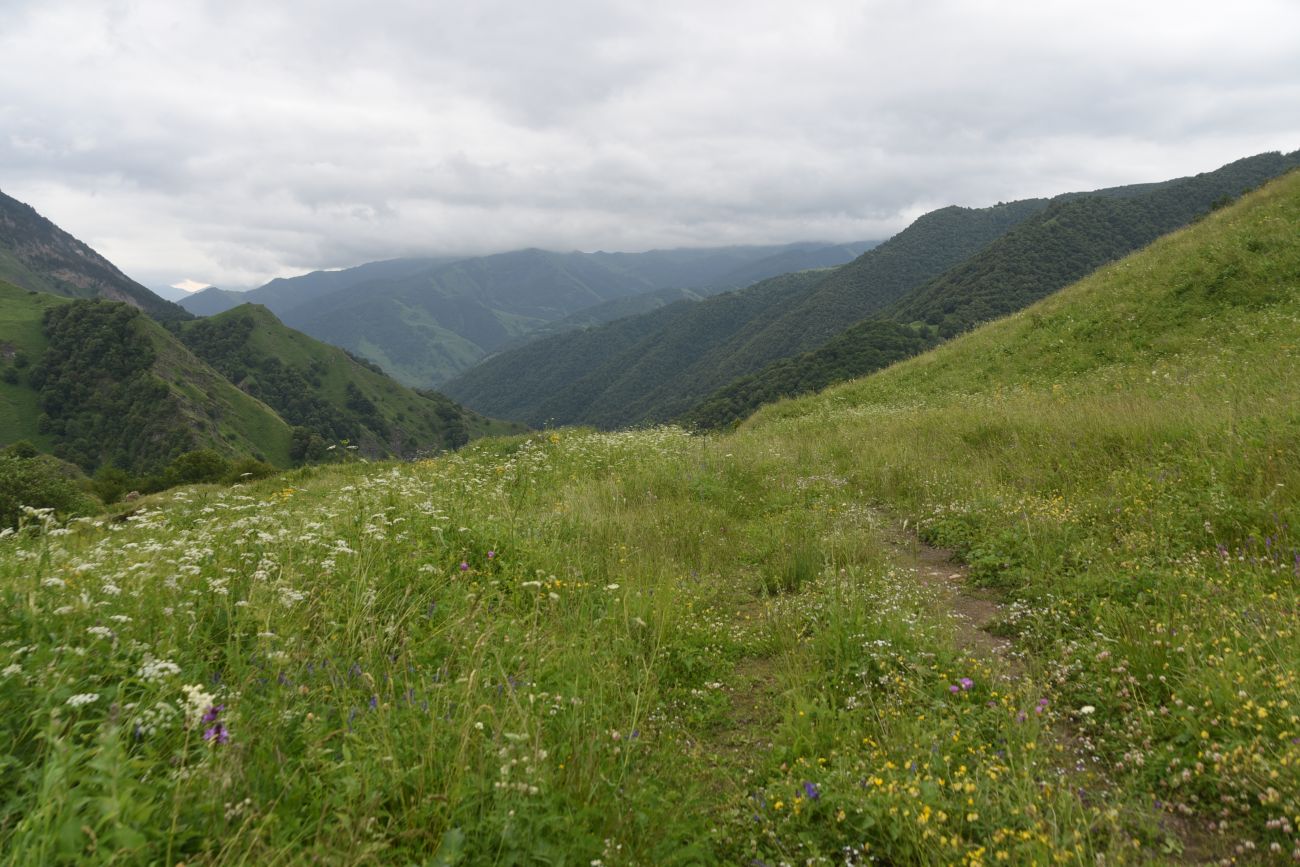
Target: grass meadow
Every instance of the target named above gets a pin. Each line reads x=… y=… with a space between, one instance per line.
x=650 y=647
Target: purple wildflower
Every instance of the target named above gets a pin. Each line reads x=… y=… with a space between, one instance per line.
x=954 y=688
x=811 y=790
x=217 y=734
x=966 y=683
x=464 y=566
x=213 y=712
x=492 y=555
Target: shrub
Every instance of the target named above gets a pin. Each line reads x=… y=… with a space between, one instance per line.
x=40 y=482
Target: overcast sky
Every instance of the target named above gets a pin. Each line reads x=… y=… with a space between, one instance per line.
x=229 y=142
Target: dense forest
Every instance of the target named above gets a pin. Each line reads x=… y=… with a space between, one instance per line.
x=99 y=398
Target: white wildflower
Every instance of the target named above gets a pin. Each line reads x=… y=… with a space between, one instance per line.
x=83 y=698
x=158 y=669
x=197 y=702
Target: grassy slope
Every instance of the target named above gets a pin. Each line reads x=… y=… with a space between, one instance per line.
x=654 y=366
x=649 y=648
x=222 y=416
x=413 y=415
x=1069 y=239
x=20 y=328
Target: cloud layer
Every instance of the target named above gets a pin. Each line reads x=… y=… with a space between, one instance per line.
x=230 y=142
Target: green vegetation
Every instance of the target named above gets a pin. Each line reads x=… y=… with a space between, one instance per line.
x=328 y=396
x=656 y=366
x=30 y=481
x=1071 y=238
x=22 y=343
x=871 y=345
x=643 y=361
x=114 y=388
x=37 y=255
x=647 y=647
x=99 y=399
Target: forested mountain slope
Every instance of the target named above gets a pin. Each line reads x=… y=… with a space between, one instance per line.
x=36 y=254
x=1071 y=238
x=325 y=394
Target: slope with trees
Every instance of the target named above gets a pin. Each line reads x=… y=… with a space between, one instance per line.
x=1074 y=236
x=36 y=254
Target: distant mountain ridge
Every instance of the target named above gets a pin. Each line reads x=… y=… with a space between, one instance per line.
x=949 y=269
x=426 y=319
x=97 y=383
x=36 y=254
x=629 y=375
x=1067 y=241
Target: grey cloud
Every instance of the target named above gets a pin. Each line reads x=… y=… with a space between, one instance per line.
x=230 y=142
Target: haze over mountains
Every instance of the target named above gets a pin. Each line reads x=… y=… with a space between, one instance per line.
x=607 y=339
x=949 y=270
x=425 y=320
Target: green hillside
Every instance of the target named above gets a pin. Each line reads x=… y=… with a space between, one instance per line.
x=657 y=365
x=112 y=387
x=1071 y=238
x=22 y=343
x=36 y=254
x=616 y=374
x=951 y=268
x=651 y=648
x=320 y=388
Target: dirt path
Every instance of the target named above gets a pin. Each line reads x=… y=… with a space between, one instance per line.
x=973 y=611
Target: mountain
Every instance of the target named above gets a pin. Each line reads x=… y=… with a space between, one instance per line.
x=629 y=378
x=213 y=300
x=1028 y=598
x=424 y=320
x=100 y=383
x=326 y=394
x=649 y=366
x=285 y=293
x=1016 y=252
x=36 y=254
x=1071 y=238
x=96 y=383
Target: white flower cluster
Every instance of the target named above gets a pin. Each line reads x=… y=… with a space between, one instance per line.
x=152 y=719
x=158 y=669
x=82 y=698
x=197 y=703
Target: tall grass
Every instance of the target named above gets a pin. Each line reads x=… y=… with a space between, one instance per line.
x=651 y=648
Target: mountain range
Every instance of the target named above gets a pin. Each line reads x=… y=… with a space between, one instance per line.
x=99 y=371
x=715 y=361
x=424 y=320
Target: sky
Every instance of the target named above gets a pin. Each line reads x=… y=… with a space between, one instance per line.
x=229 y=142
